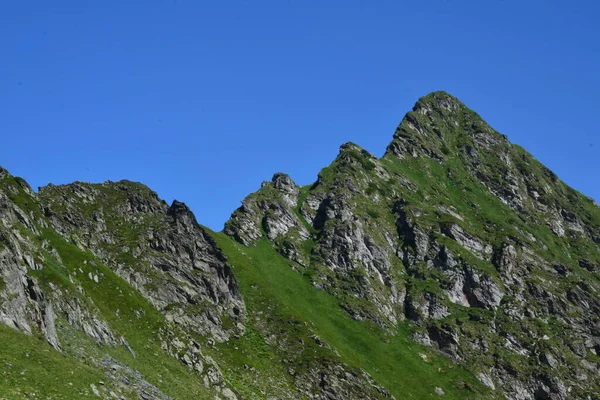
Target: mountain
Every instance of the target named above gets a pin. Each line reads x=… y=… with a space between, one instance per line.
x=455 y=266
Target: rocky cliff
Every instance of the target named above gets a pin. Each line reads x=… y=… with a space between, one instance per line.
x=490 y=258
x=454 y=266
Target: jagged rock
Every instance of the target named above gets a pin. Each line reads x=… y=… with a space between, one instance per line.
x=507 y=260
x=446 y=338
x=130 y=380
x=270 y=209
x=289 y=190
x=186 y=266
x=334 y=383
x=469 y=242
x=486 y=380
x=40 y=295
x=414 y=236
x=81 y=318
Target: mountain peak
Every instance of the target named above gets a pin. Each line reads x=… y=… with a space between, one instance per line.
x=438 y=124
x=438 y=99
x=461 y=235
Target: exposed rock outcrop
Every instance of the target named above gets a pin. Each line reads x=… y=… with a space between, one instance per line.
x=172 y=261
x=469 y=237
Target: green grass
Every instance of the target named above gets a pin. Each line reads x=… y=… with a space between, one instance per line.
x=29 y=368
x=265 y=276
x=252 y=367
x=137 y=320
x=14 y=188
x=373 y=213
x=304 y=192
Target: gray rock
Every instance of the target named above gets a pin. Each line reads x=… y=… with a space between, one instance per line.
x=469 y=242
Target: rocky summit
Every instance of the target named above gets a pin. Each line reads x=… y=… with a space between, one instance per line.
x=456 y=266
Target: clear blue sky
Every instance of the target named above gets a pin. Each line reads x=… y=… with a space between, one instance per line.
x=204 y=100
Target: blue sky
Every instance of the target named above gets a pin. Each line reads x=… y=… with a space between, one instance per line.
x=204 y=100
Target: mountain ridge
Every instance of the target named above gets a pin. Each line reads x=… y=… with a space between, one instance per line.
x=454 y=265
x=440 y=144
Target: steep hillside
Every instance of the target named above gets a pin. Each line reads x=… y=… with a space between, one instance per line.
x=120 y=317
x=458 y=235
x=455 y=266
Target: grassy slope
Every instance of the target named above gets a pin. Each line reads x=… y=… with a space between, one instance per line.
x=265 y=276
x=48 y=371
x=112 y=293
x=30 y=368
x=397 y=364
x=267 y=281
x=114 y=300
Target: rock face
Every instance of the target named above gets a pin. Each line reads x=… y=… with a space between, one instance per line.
x=23 y=305
x=60 y=250
x=491 y=257
x=270 y=210
x=158 y=249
